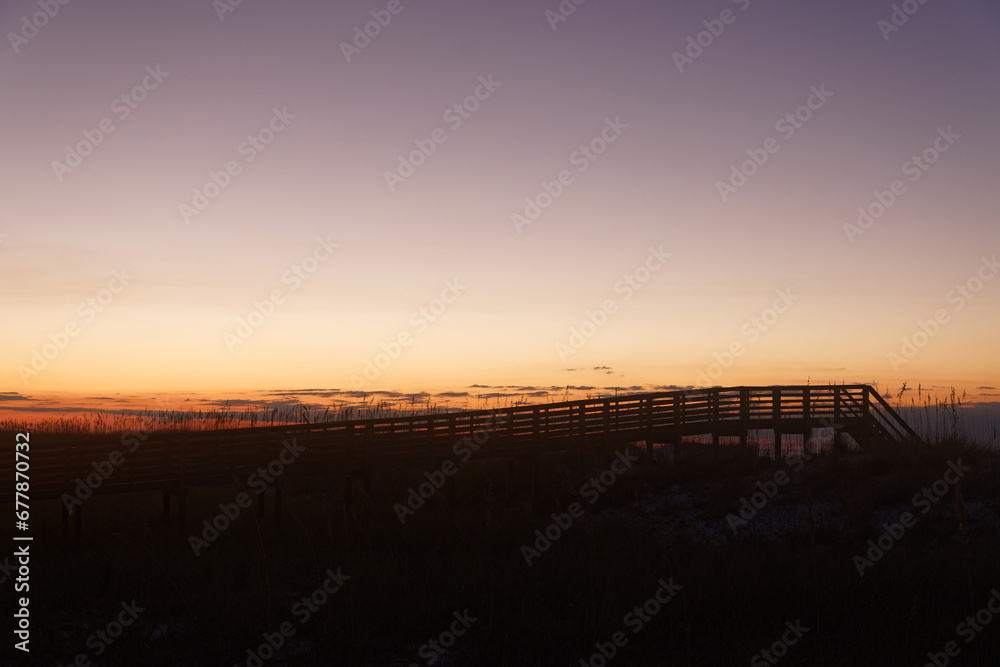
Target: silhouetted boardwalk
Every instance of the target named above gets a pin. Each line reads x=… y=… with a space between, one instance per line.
x=178 y=461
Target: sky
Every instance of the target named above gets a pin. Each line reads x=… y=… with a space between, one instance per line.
x=222 y=199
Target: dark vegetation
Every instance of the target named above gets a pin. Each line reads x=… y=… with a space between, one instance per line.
x=663 y=519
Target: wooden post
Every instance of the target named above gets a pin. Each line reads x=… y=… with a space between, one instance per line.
x=606 y=435
x=536 y=424
x=776 y=417
x=713 y=415
x=744 y=416
x=838 y=428
x=807 y=418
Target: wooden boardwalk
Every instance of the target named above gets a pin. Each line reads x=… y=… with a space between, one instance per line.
x=175 y=462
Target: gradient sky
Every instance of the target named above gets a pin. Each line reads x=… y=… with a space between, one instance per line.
x=656 y=186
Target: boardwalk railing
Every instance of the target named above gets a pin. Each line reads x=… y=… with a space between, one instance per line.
x=176 y=461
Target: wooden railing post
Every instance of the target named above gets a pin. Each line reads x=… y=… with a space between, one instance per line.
x=838 y=429
x=744 y=416
x=776 y=417
x=806 y=419
x=713 y=414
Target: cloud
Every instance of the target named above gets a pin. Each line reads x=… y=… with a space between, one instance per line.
x=672 y=387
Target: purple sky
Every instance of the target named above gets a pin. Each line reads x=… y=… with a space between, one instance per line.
x=174 y=323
